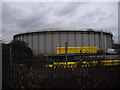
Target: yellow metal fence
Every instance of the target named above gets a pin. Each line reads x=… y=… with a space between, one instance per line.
x=77 y=50
x=84 y=64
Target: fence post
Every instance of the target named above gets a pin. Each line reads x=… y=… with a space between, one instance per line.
x=66 y=56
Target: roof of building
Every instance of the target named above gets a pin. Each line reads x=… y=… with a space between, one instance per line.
x=44 y=31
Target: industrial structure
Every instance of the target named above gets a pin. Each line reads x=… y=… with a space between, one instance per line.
x=46 y=42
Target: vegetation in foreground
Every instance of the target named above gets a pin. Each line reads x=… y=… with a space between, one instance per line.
x=31 y=72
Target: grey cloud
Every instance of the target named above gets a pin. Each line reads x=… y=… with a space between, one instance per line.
x=68 y=8
x=95 y=18
x=37 y=16
x=106 y=17
x=12 y=17
x=8 y=14
x=31 y=20
x=94 y=14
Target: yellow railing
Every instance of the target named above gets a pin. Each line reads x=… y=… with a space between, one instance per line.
x=84 y=64
x=77 y=50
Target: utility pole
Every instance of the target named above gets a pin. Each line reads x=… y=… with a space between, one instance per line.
x=66 y=53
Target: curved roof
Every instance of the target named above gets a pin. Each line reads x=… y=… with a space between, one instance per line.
x=44 y=31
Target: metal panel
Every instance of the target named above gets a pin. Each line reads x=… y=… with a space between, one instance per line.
x=78 y=39
x=29 y=41
x=103 y=44
x=94 y=40
x=71 y=42
x=91 y=39
x=35 y=40
x=97 y=43
x=38 y=43
x=20 y=37
x=85 y=39
x=32 y=40
x=45 y=42
x=55 y=41
x=48 y=43
x=75 y=38
x=17 y=37
x=82 y=41
x=109 y=41
x=60 y=39
x=24 y=38
x=105 y=41
x=101 y=41
x=41 y=43
x=52 y=43
x=63 y=38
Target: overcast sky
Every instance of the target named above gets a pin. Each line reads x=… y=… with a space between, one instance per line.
x=23 y=17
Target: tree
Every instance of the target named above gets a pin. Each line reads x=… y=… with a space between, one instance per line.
x=20 y=51
x=5 y=53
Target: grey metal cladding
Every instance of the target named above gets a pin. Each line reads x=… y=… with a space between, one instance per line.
x=29 y=41
x=48 y=42
x=78 y=39
x=71 y=38
x=63 y=38
x=35 y=43
x=85 y=39
x=92 y=39
x=45 y=42
x=55 y=41
x=41 y=43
